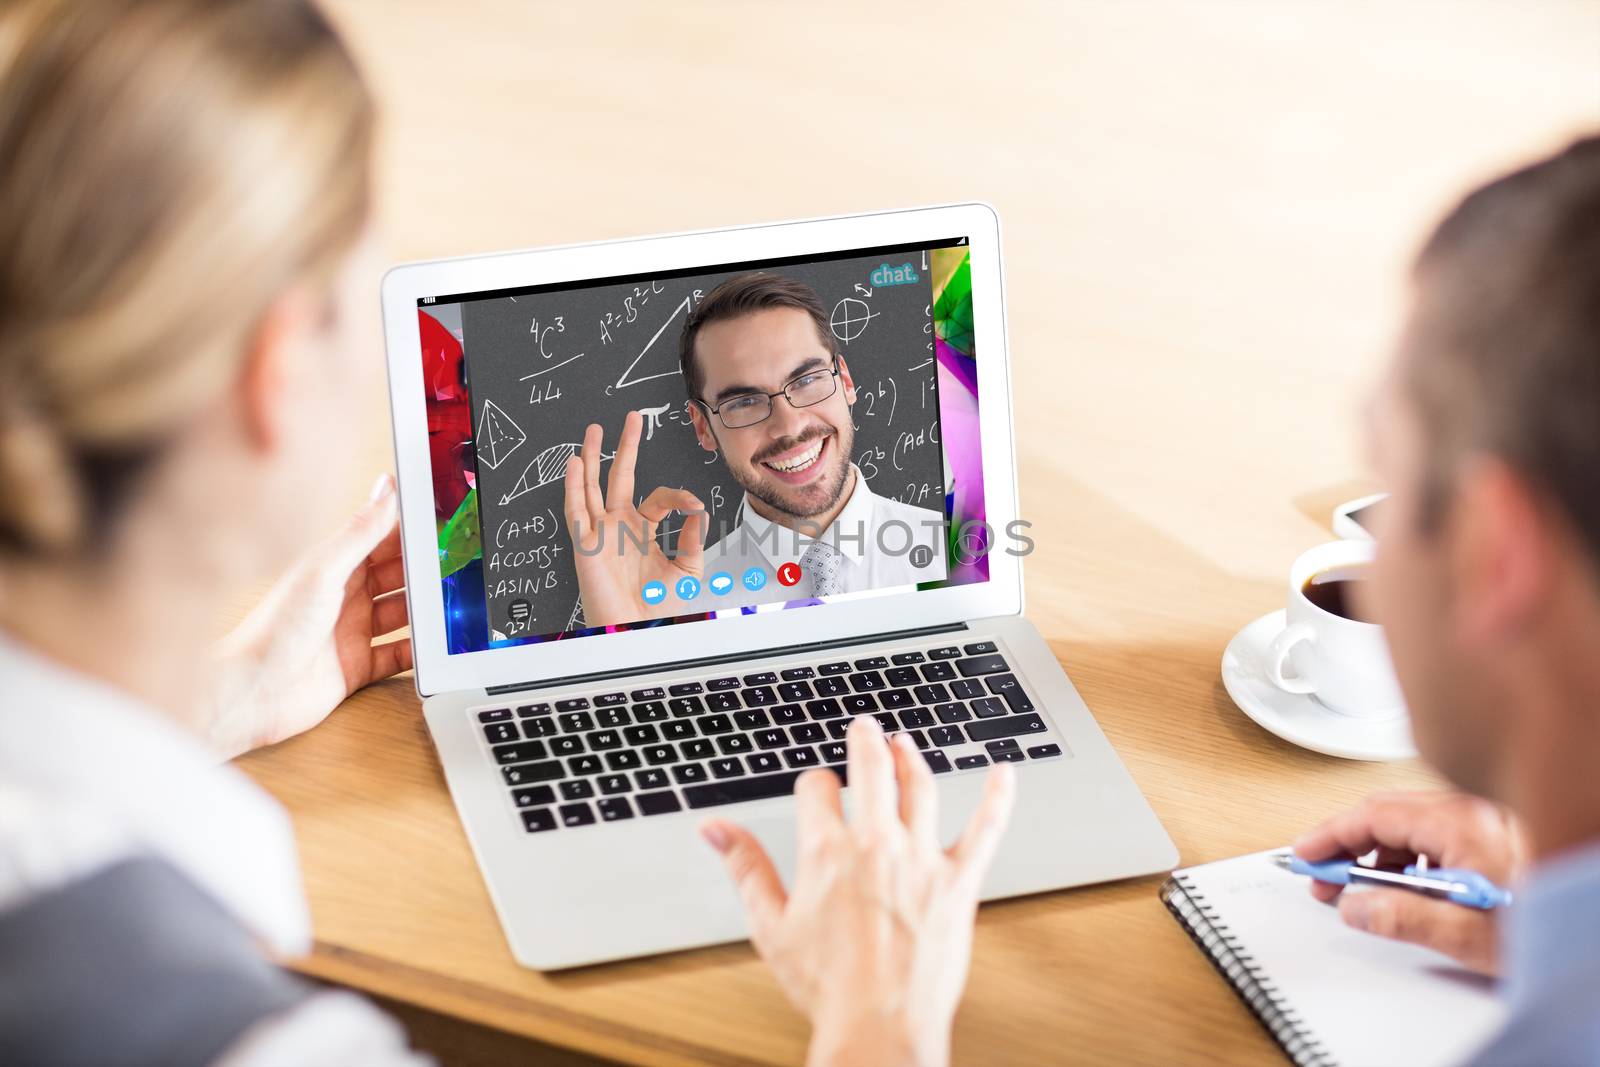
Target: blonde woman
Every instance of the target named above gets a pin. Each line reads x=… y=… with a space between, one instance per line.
x=185 y=312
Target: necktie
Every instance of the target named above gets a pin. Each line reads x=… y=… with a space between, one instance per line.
x=823 y=563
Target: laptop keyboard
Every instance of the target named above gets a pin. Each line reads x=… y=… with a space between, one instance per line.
x=620 y=754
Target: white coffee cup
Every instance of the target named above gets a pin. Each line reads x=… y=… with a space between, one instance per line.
x=1344 y=663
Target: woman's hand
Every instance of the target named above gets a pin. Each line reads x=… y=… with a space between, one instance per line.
x=309 y=643
x=873 y=942
x=1452 y=830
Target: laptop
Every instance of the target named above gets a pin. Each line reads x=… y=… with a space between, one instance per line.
x=675 y=510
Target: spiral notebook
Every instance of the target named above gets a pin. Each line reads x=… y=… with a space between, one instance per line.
x=1330 y=995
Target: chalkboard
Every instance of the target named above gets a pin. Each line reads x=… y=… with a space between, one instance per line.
x=542 y=367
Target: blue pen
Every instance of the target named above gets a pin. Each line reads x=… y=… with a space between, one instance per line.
x=1455 y=884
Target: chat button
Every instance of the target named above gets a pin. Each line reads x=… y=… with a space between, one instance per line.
x=720 y=583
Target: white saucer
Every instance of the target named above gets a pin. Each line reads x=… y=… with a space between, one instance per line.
x=1304 y=720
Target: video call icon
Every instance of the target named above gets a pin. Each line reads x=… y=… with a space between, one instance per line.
x=789 y=574
x=720 y=583
x=687 y=588
x=755 y=579
x=653 y=592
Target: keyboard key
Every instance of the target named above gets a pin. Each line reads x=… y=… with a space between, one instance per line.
x=1005 y=744
x=687 y=773
x=740 y=789
x=981 y=648
x=1008 y=757
x=751 y=720
x=614 y=808
x=566 y=745
x=938 y=672
x=572 y=704
x=794 y=691
x=717 y=685
x=981 y=665
x=657 y=803
x=1010 y=726
x=642 y=735
x=989 y=707
x=528 y=773
x=872 y=663
x=699 y=748
x=788 y=714
x=955 y=711
x=625 y=760
x=723 y=701
x=761 y=678
x=1020 y=704
x=611 y=700
x=859 y=703
x=832 y=687
x=824 y=709
x=902 y=676
x=887 y=721
x=966 y=763
x=494 y=715
x=611 y=784
x=1000 y=683
x=945 y=652
x=966 y=689
x=801 y=757
x=604 y=740
x=833 y=752
x=533 y=796
x=612 y=717
x=685 y=689
x=932 y=694
x=809 y=732
x=900 y=659
x=578 y=722
x=733 y=744
x=726 y=768
x=715 y=724
x=1044 y=751
x=946 y=735
x=760 y=696
x=538 y=820
x=652 y=693
x=684 y=707
x=584 y=764
x=838 y=728
x=654 y=711
x=833 y=668
x=795 y=674
x=528 y=711
x=938 y=762
x=867 y=681
x=918 y=738
x=912 y=718
x=774 y=738
x=532 y=728
x=656 y=755
x=500 y=732
x=763 y=762
x=576 y=815
x=895 y=699
x=650 y=779
x=577 y=789
x=678 y=729
x=519 y=752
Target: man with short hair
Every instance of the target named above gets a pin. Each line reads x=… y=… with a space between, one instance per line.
x=770 y=392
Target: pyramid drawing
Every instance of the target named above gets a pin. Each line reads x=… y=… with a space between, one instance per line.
x=498 y=435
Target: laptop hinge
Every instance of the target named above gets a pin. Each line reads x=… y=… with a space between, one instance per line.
x=710 y=661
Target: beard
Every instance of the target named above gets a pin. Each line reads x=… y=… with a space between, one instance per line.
x=803 y=502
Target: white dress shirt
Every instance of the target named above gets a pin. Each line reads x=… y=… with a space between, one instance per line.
x=881 y=540
x=90 y=777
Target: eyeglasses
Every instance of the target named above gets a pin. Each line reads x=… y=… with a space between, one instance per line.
x=806 y=390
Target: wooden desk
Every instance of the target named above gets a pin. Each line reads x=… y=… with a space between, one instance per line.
x=1209 y=208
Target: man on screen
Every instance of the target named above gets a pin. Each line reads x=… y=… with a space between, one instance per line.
x=769 y=391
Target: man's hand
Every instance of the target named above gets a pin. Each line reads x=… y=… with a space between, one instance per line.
x=606 y=531
x=873 y=941
x=308 y=644
x=1452 y=830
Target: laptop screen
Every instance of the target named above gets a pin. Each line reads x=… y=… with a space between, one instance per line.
x=734 y=438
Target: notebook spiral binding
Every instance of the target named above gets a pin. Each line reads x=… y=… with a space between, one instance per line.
x=1235 y=964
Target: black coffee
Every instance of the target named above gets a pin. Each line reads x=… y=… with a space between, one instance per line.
x=1336 y=592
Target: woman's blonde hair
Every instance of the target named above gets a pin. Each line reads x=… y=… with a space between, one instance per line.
x=169 y=168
